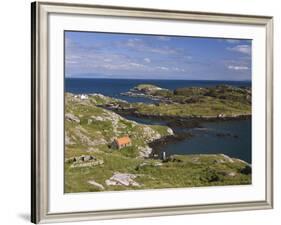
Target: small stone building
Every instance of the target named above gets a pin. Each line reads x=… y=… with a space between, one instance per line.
x=122 y=142
x=83 y=97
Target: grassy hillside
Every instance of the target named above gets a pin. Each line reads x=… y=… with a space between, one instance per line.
x=91 y=164
x=88 y=126
x=181 y=171
x=223 y=100
x=207 y=106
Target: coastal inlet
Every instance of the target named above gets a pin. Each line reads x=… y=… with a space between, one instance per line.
x=203 y=134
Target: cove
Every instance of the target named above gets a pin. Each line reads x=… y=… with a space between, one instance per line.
x=230 y=137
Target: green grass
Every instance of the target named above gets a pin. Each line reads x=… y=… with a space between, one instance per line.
x=190 y=171
x=97 y=123
x=194 y=101
x=209 y=107
x=186 y=171
x=146 y=86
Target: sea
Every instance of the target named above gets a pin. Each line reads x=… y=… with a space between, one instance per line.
x=205 y=139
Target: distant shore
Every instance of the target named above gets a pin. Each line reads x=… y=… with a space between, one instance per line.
x=181 y=118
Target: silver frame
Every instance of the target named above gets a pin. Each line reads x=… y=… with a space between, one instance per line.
x=39 y=90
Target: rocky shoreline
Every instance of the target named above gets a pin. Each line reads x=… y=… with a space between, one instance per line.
x=158 y=144
x=175 y=122
x=92 y=123
x=179 y=121
x=171 y=105
x=142 y=95
x=192 y=117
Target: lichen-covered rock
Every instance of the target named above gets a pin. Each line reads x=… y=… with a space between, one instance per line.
x=84 y=137
x=72 y=118
x=144 y=151
x=98 y=127
x=87 y=164
x=170 y=131
x=84 y=161
x=232 y=174
x=150 y=134
x=68 y=140
x=227 y=158
x=123 y=179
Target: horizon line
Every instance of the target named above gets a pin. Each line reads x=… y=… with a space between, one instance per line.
x=148 y=79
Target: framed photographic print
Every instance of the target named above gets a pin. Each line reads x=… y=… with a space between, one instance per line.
x=147 y=112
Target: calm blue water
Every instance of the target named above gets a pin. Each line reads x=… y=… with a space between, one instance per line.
x=205 y=141
x=114 y=87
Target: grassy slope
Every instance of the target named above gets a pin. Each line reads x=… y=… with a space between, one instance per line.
x=146 y=86
x=207 y=107
x=227 y=100
x=100 y=125
x=192 y=171
x=197 y=170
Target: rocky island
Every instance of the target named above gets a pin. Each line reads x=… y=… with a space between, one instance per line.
x=221 y=101
x=94 y=122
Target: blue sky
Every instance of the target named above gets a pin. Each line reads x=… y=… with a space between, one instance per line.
x=134 y=56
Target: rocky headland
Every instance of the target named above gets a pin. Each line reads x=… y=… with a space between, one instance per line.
x=94 y=121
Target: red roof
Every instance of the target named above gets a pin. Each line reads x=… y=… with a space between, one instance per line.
x=123 y=140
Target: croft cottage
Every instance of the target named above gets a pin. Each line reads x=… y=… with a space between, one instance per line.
x=122 y=142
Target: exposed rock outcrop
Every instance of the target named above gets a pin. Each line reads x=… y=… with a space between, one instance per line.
x=72 y=118
x=96 y=127
x=84 y=161
x=85 y=138
x=144 y=151
x=123 y=179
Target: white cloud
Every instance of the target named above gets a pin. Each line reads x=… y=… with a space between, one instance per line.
x=136 y=64
x=148 y=60
x=72 y=59
x=178 y=69
x=163 y=68
x=231 y=67
x=71 y=62
x=133 y=42
x=140 y=45
x=164 y=38
x=232 y=41
x=245 y=49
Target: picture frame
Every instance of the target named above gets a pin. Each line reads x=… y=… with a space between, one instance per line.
x=42 y=105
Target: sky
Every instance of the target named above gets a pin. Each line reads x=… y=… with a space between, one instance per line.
x=135 y=56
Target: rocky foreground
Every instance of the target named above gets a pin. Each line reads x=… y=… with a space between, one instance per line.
x=92 y=164
x=91 y=128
